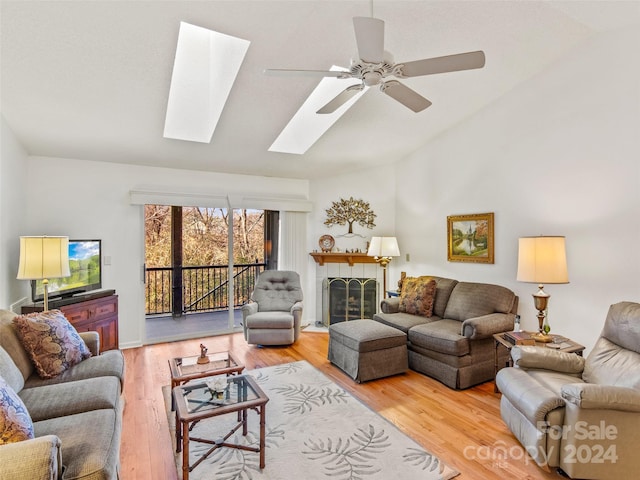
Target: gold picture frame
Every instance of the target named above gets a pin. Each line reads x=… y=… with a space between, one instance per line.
x=470 y=238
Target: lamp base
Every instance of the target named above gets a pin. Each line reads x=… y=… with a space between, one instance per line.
x=45 y=298
x=542 y=337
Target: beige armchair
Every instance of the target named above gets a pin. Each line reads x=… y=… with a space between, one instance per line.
x=273 y=315
x=582 y=416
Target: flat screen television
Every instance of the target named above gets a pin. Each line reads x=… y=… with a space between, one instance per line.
x=85 y=262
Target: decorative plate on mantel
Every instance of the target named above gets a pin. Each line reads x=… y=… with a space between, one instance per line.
x=326 y=243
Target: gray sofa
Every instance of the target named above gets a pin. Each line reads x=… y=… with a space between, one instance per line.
x=455 y=345
x=77 y=416
x=582 y=415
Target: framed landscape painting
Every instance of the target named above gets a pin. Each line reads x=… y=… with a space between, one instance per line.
x=470 y=238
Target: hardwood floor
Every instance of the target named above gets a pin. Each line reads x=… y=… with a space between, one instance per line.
x=463 y=428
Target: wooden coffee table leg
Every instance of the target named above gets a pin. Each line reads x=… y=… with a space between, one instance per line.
x=185 y=451
x=244 y=422
x=178 y=426
x=262 y=422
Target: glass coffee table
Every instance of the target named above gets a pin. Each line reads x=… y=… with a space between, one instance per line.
x=199 y=401
x=186 y=369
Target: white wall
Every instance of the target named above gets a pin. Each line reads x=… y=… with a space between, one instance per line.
x=13 y=169
x=376 y=186
x=91 y=200
x=559 y=155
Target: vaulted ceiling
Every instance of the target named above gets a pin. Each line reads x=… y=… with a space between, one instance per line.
x=90 y=79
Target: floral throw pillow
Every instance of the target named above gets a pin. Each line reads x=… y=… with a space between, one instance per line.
x=417 y=296
x=51 y=341
x=15 y=421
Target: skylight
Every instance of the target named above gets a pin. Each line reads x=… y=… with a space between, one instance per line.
x=205 y=67
x=307 y=126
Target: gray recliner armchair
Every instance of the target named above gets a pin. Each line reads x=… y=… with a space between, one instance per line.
x=273 y=315
x=582 y=416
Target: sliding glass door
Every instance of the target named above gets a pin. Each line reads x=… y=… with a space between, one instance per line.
x=201 y=267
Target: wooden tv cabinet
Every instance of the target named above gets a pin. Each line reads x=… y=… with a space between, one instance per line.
x=90 y=313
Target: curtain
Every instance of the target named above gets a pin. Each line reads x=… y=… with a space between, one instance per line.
x=292 y=253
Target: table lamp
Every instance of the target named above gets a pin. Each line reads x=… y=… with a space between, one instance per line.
x=42 y=258
x=542 y=260
x=383 y=249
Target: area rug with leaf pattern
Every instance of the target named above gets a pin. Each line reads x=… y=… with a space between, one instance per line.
x=314 y=430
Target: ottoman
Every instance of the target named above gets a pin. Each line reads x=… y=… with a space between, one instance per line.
x=366 y=349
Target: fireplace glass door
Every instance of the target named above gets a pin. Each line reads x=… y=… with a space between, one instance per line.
x=347 y=299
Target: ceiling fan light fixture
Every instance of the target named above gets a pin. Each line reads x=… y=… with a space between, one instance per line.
x=374 y=66
x=372 y=78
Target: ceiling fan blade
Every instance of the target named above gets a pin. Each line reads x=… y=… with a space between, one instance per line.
x=369 y=38
x=306 y=73
x=403 y=94
x=342 y=98
x=449 y=63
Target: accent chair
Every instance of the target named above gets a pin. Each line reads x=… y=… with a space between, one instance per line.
x=582 y=416
x=274 y=313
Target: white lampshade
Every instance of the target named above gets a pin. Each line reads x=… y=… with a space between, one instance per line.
x=542 y=260
x=43 y=258
x=383 y=247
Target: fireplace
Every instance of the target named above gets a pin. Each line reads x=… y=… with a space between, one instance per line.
x=345 y=299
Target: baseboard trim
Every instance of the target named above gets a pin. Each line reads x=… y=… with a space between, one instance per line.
x=16 y=307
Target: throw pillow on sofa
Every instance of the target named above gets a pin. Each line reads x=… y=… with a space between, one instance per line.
x=51 y=341
x=417 y=296
x=15 y=421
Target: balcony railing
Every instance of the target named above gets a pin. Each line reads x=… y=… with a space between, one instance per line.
x=204 y=288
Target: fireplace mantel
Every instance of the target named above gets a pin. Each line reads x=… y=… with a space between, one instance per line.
x=334 y=257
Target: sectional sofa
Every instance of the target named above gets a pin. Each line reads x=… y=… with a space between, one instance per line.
x=453 y=341
x=77 y=415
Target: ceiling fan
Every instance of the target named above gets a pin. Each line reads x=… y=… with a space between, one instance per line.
x=375 y=66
